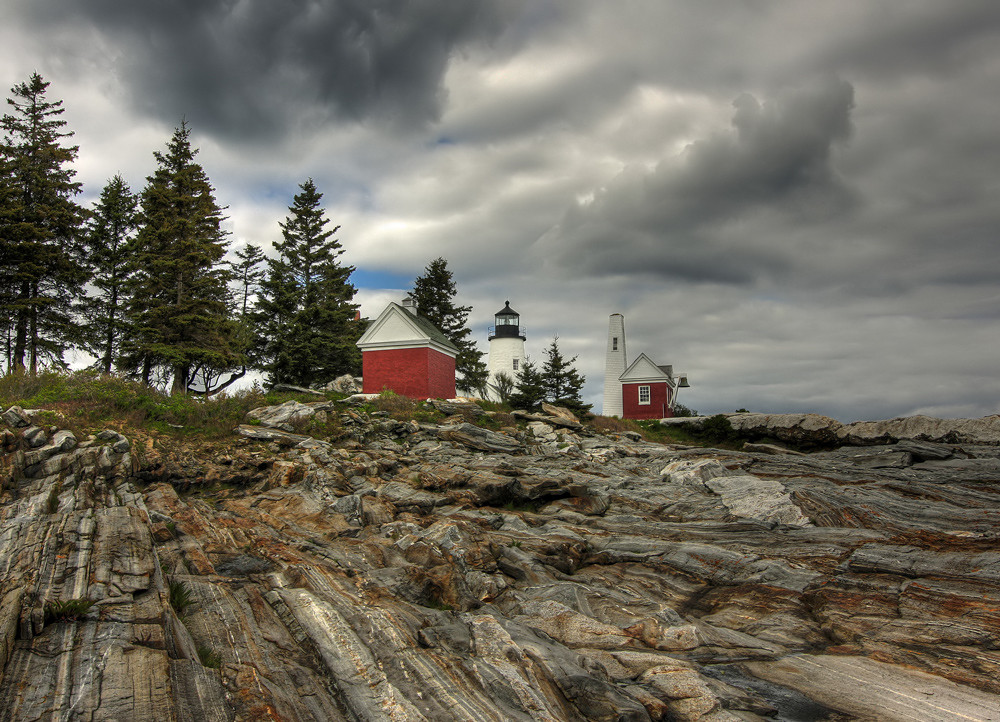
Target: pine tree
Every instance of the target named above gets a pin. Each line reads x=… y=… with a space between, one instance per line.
x=110 y=233
x=306 y=312
x=529 y=388
x=434 y=294
x=40 y=265
x=180 y=320
x=562 y=383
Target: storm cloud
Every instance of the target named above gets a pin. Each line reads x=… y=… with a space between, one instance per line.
x=684 y=218
x=260 y=69
x=794 y=203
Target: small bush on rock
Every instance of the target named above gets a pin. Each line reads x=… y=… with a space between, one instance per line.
x=69 y=610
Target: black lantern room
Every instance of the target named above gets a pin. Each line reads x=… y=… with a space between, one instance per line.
x=508 y=324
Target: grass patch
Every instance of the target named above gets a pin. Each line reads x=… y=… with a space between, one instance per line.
x=69 y=610
x=87 y=401
x=180 y=596
x=527 y=505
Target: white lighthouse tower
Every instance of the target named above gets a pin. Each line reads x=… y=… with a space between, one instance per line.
x=506 y=347
x=614 y=366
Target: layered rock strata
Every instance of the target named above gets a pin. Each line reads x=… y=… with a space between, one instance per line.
x=441 y=572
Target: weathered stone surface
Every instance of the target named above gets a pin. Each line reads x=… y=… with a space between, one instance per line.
x=345 y=384
x=479 y=438
x=766 y=500
x=813 y=430
x=287 y=415
x=16 y=417
x=424 y=572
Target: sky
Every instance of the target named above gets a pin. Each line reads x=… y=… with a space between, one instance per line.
x=795 y=203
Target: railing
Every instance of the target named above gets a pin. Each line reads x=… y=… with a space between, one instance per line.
x=491 y=331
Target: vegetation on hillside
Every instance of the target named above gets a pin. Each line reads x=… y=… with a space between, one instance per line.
x=89 y=401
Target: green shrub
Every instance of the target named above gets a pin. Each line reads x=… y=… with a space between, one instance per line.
x=209 y=657
x=71 y=609
x=180 y=596
x=52 y=502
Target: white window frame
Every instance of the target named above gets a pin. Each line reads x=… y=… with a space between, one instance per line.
x=515 y=364
x=648 y=401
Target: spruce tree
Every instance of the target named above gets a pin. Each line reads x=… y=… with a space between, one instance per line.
x=110 y=234
x=180 y=310
x=248 y=272
x=562 y=383
x=434 y=293
x=40 y=264
x=306 y=313
x=529 y=388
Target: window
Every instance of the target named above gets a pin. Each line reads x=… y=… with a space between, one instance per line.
x=644 y=395
x=515 y=364
x=614 y=343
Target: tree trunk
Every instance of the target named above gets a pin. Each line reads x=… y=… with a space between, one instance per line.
x=33 y=335
x=180 y=379
x=21 y=332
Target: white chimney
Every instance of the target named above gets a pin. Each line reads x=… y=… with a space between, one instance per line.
x=410 y=305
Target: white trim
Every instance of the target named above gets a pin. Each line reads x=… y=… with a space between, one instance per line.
x=649 y=395
x=401 y=319
x=401 y=345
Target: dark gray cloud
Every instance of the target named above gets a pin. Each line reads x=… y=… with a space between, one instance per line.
x=685 y=218
x=795 y=203
x=255 y=68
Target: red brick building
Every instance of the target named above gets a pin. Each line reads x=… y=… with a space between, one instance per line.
x=647 y=390
x=404 y=352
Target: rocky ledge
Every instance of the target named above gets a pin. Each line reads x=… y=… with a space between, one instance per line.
x=454 y=572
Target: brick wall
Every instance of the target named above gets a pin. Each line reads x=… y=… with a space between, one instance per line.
x=415 y=372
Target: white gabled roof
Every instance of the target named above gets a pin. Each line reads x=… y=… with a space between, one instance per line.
x=397 y=328
x=643 y=369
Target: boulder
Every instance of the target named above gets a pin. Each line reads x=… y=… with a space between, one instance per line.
x=16 y=417
x=345 y=384
x=476 y=437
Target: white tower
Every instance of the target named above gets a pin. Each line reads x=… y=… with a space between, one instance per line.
x=614 y=366
x=506 y=347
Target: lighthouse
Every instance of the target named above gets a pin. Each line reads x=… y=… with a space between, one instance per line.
x=506 y=347
x=614 y=366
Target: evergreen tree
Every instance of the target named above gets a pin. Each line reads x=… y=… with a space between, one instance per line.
x=180 y=321
x=110 y=232
x=248 y=273
x=434 y=294
x=40 y=264
x=306 y=313
x=562 y=383
x=529 y=388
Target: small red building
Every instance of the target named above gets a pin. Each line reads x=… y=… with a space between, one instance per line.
x=404 y=352
x=647 y=390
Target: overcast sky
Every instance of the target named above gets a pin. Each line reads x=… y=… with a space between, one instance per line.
x=796 y=203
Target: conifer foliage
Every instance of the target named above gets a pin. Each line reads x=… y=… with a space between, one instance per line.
x=434 y=293
x=306 y=313
x=561 y=381
x=109 y=234
x=529 y=388
x=180 y=321
x=40 y=265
